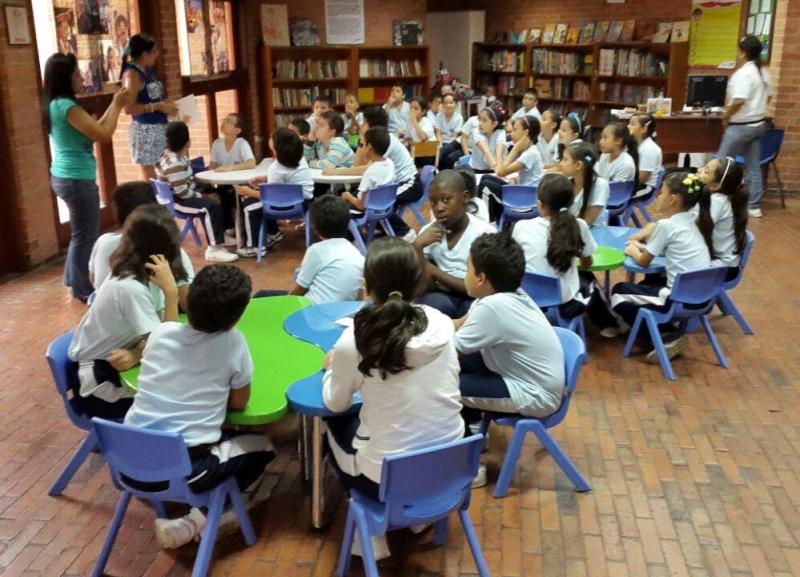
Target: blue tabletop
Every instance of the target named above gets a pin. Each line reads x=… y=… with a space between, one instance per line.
x=616 y=237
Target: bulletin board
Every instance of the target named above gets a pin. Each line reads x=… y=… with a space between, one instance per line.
x=760 y=23
x=714 y=32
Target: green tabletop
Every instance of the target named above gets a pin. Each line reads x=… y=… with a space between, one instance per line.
x=279 y=359
x=606 y=258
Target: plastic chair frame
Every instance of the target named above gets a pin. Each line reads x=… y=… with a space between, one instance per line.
x=281 y=201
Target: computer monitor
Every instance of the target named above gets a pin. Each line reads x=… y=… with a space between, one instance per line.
x=707 y=90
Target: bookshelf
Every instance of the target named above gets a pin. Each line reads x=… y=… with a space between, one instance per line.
x=587 y=78
x=293 y=75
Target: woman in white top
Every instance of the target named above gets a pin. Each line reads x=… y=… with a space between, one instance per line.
x=419 y=128
x=749 y=92
x=448 y=121
x=619 y=155
x=642 y=127
x=547 y=143
x=591 y=191
x=490 y=142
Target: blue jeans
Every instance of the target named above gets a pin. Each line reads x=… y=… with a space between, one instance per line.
x=83 y=201
x=745 y=140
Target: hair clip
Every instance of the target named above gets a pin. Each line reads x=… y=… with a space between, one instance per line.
x=588 y=158
x=563 y=209
x=396 y=294
x=693 y=184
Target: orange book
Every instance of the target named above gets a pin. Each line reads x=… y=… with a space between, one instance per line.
x=573 y=34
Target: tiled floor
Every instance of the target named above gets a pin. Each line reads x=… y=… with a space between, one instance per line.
x=694 y=478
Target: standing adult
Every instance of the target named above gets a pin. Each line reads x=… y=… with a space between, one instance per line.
x=147 y=133
x=749 y=92
x=73 y=170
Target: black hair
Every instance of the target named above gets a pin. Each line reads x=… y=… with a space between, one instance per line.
x=752 y=48
x=450 y=94
x=129 y=195
x=586 y=153
x=240 y=122
x=532 y=127
x=433 y=96
x=137 y=45
x=301 y=124
x=177 y=134
x=575 y=123
x=564 y=241
x=423 y=104
x=330 y=216
x=376 y=116
x=288 y=147
x=334 y=121
x=533 y=92
x=691 y=190
x=470 y=182
x=58 y=71
x=322 y=98
x=648 y=121
x=629 y=144
x=217 y=298
x=500 y=258
x=556 y=120
x=378 y=138
x=393 y=274
x=729 y=176
x=497 y=113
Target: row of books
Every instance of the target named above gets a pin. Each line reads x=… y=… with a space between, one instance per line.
x=309 y=69
x=625 y=93
x=282 y=97
x=510 y=85
x=553 y=62
x=589 y=32
x=631 y=63
x=502 y=61
x=283 y=120
x=562 y=88
x=372 y=68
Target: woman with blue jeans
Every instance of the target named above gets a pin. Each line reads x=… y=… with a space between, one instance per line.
x=73 y=170
x=748 y=94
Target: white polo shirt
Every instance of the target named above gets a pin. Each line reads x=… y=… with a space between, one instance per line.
x=753 y=87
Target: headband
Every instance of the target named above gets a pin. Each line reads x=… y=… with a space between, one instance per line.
x=491 y=111
x=578 y=120
x=727 y=168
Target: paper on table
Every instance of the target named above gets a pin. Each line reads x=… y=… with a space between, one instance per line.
x=187 y=106
x=345 y=322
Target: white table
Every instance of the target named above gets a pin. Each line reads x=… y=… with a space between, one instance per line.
x=334 y=178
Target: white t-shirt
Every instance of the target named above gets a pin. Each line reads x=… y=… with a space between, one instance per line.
x=477 y=207
x=450 y=128
x=621 y=169
x=522 y=112
x=301 y=175
x=398 y=117
x=517 y=342
x=431 y=116
x=415 y=408
x=650 y=160
x=185 y=379
x=533 y=169
x=681 y=243
x=240 y=152
x=723 y=236
x=548 y=150
x=478 y=161
x=533 y=236
x=753 y=87
x=598 y=197
x=404 y=168
x=377 y=173
x=427 y=127
x=105 y=246
x=454 y=261
x=470 y=128
x=331 y=271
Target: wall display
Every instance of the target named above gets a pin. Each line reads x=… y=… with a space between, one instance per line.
x=344 y=22
x=274 y=25
x=760 y=20
x=714 y=32
x=17 y=28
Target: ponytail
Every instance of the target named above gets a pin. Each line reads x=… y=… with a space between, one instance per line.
x=137 y=45
x=629 y=145
x=649 y=122
x=564 y=241
x=730 y=175
x=587 y=154
x=752 y=48
x=692 y=192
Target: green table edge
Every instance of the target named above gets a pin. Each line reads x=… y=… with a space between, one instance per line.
x=605 y=254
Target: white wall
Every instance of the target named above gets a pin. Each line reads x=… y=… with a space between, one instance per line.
x=450 y=36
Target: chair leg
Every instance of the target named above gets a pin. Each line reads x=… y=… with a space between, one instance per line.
x=245 y=523
x=484 y=428
x=368 y=558
x=209 y=538
x=510 y=462
x=88 y=445
x=196 y=236
x=555 y=450
x=347 y=543
x=714 y=343
x=309 y=235
x=418 y=215
x=727 y=307
x=113 y=529
x=780 y=184
x=261 y=231
x=440 y=532
x=371 y=232
x=658 y=344
x=637 y=325
x=387 y=226
x=635 y=219
x=357 y=237
x=474 y=545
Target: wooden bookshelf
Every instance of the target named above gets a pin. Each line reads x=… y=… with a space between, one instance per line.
x=351 y=81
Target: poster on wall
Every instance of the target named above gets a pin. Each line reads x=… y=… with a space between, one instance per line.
x=759 y=23
x=219 y=38
x=274 y=25
x=194 y=15
x=122 y=33
x=65 y=30
x=714 y=32
x=344 y=21
x=93 y=16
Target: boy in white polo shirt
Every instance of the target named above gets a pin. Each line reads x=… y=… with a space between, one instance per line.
x=380 y=170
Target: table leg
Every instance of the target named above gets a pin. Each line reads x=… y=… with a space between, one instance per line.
x=238 y=221
x=317 y=489
x=608 y=283
x=302 y=448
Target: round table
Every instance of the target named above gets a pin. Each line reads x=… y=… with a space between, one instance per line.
x=320 y=178
x=609 y=255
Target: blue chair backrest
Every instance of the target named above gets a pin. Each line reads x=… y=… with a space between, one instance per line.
x=464 y=160
x=163 y=192
x=544 y=289
x=380 y=200
x=280 y=195
x=430 y=481
x=517 y=196
x=698 y=286
x=574 y=354
x=771 y=144
x=620 y=193
x=744 y=258
x=198 y=164
x=426 y=178
x=65 y=376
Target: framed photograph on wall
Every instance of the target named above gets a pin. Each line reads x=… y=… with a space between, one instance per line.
x=17 y=27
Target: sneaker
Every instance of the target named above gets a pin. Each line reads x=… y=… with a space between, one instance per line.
x=673 y=347
x=174 y=533
x=250 y=252
x=273 y=239
x=611 y=332
x=380 y=547
x=410 y=236
x=480 y=478
x=230 y=239
x=755 y=212
x=219 y=254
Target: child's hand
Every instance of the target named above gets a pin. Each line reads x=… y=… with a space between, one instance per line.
x=326 y=362
x=256 y=181
x=121 y=359
x=167 y=107
x=161 y=273
x=224 y=168
x=329 y=171
x=431 y=235
x=633 y=249
x=246 y=191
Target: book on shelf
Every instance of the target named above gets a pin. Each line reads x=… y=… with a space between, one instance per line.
x=309 y=69
x=627 y=62
x=628 y=28
x=564 y=108
x=535 y=35
x=614 y=31
x=549 y=34
x=601 y=31
x=546 y=61
x=282 y=120
x=522 y=37
x=295 y=97
x=560 y=36
x=627 y=94
x=502 y=61
x=510 y=85
x=562 y=88
x=380 y=68
x=573 y=34
x=663 y=32
x=587 y=32
x=680 y=31
x=366 y=94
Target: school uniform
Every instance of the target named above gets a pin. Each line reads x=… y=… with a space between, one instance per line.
x=621 y=169
x=378 y=173
x=548 y=149
x=331 y=271
x=427 y=127
x=452 y=151
x=514 y=362
x=649 y=161
x=530 y=112
x=415 y=408
x=336 y=154
x=185 y=379
x=478 y=208
x=534 y=237
x=529 y=175
x=398 y=117
x=124 y=312
x=557 y=156
x=409 y=188
x=597 y=197
x=431 y=116
x=220 y=156
x=449 y=127
x=478 y=162
x=452 y=261
x=723 y=236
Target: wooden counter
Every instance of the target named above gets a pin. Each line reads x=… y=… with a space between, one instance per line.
x=689 y=133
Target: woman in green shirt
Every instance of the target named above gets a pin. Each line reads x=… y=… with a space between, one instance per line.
x=72 y=173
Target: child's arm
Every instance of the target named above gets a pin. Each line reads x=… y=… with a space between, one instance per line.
x=246 y=165
x=483 y=146
x=421 y=135
x=643 y=234
x=342 y=378
x=298 y=290
x=124 y=359
x=248 y=191
x=238 y=398
x=438 y=133
x=638 y=253
x=355 y=170
x=465 y=142
x=510 y=164
x=499 y=153
x=161 y=276
x=458 y=323
x=446 y=280
x=644 y=176
x=474 y=334
x=355 y=201
x=591 y=214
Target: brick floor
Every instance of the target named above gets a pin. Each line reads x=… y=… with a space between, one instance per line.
x=696 y=478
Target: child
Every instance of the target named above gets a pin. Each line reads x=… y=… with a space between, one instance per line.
x=192 y=374
x=419 y=128
x=448 y=122
x=330 y=149
x=352 y=119
x=529 y=101
x=398 y=110
x=476 y=206
x=446 y=241
x=125 y=198
x=678 y=239
x=643 y=127
x=619 y=154
x=129 y=305
x=490 y=142
x=380 y=170
x=231 y=152
x=402 y=358
x=578 y=163
x=288 y=167
x=174 y=167
x=321 y=104
x=547 y=142
x=570 y=132
x=523 y=159
x=466 y=137
x=555 y=242
x=301 y=128
x=434 y=107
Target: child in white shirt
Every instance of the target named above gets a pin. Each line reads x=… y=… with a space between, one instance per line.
x=419 y=128
x=380 y=170
x=578 y=163
x=490 y=142
x=643 y=126
x=619 y=155
x=529 y=101
x=547 y=143
x=434 y=107
x=398 y=110
x=448 y=123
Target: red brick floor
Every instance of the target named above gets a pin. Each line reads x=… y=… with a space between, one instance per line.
x=693 y=478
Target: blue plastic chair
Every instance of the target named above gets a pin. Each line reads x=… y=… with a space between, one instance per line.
x=164 y=197
x=379 y=209
x=618 y=201
x=770 y=148
x=724 y=302
x=417 y=488
x=574 y=357
x=281 y=202
x=698 y=289
x=152 y=456
x=519 y=203
x=545 y=290
x=464 y=160
x=426 y=178
x=198 y=164
x=643 y=202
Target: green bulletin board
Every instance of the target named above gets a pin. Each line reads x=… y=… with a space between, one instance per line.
x=760 y=18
